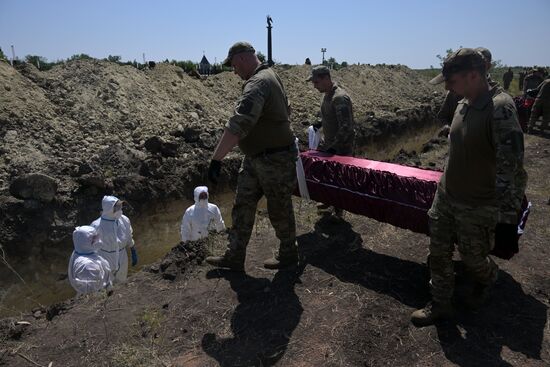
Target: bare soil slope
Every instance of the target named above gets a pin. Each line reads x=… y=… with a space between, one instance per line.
x=94 y=127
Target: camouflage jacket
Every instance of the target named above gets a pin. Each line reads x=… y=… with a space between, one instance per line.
x=337 y=121
x=531 y=82
x=541 y=107
x=511 y=178
x=261 y=117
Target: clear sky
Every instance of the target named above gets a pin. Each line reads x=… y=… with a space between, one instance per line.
x=383 y=31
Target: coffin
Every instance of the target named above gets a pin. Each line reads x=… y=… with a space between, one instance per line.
x=387 y=192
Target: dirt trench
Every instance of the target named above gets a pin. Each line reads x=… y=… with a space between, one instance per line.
x=348 y=304
x=89 y=128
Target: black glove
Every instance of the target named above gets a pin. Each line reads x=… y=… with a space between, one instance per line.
x=506 y=240
x=532 y=92
x=214 y=171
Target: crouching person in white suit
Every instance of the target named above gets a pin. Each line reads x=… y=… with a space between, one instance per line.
x=201 y=218
x=115 y=234
x=88 y=271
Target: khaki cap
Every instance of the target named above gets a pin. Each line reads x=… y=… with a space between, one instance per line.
x=237 y=48
x=486 y=53
x=318 y=71
x=461 y=60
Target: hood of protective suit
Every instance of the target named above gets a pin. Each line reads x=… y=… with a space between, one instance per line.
x=107 y=206
x=197 y=192
x=83 y=239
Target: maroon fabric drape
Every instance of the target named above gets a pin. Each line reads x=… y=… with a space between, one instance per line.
x=387 y=192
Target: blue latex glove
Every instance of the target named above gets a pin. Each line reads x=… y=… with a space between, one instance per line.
x=134 y=256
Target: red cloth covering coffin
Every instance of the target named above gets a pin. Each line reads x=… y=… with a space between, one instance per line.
x=387 y=192
x=390 y=193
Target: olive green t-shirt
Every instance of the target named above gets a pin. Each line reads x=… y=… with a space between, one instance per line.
x=485 y=165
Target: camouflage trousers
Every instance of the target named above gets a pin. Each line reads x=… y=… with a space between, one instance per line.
x=472 y=230
x=273 y=176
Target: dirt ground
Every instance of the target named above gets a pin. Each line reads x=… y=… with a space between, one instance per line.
x=348 y=304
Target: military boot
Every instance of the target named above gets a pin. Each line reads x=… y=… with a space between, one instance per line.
x=228 y=260
x=431 y=313
x=278 y=262
x=287 y=256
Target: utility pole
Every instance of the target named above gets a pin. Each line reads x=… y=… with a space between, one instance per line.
x=269 y=54
x=12 y=55
x=144 y=65
x=323 y=50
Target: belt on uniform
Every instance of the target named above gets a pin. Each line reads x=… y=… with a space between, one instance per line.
x=286 y=148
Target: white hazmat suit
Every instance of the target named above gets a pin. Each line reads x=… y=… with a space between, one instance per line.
x=88 y=271
x=201 y=218
x=115 y=234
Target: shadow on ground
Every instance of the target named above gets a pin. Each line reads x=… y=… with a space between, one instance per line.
x=263 y=322
x=511 y=319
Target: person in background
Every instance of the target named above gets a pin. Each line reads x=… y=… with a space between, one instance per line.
x=337 y=121
x=532 y=80
x=115 y=235
x=88 y=272
x=507 y=78
x=201 y=217
x=541 y=107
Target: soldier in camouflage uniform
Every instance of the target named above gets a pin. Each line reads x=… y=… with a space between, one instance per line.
x=336 y=113
x=481 y=189
x=261 y=128
x=541 y=107
x=532 y=80
x=336 y=118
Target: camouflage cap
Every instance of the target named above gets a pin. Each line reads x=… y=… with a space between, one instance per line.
x=318 y=71
x=237 y=48
x=486 y=53
x=461 y=60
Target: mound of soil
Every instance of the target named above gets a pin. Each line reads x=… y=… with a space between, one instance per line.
x=94 y=127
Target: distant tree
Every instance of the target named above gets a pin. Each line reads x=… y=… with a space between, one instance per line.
x=497 y=64
x=308 y=61
x=2 y=56
x=38 y=61
x=112 y=58
x=80 y=57
x=344 y=64
x=187 y=65
x=261 y=56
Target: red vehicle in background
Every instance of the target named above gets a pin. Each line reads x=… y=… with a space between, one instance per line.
x=524 y=104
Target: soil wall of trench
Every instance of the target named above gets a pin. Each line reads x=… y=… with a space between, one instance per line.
x=89 y=128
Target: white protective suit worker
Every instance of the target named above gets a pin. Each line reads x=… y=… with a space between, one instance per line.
x=115 y=234
x=88 y=271
x=201 y=218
